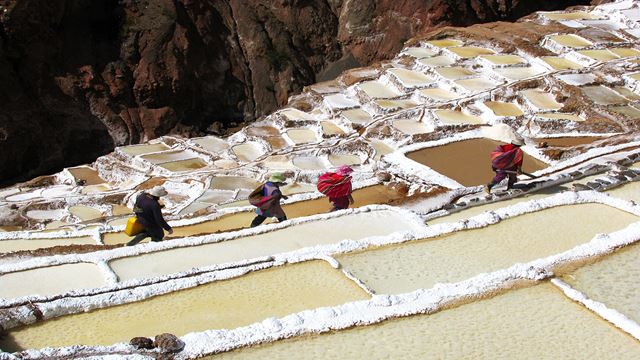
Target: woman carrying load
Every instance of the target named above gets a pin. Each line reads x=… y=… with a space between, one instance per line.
x=337 y=186
x=506 y=161
x=267 y=200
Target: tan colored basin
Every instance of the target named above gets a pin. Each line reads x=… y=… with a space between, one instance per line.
x=462 y=255
x=452 y=117
x=532 y=323
x=33 y=244
x=571 y=40
x=356 y=116
x=500 y=108
x=184 y=165
x=560 y=63
x=467 y=162
x=212 y=144
x=232 y=303
x=466 y=52
x=541 y=99
x=88 y=174
x=134 y=150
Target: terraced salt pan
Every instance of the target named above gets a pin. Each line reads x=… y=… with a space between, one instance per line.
x=531 y=323
x=466 y=52
x=566 y=141
x=88 y=174
x=33 y=244
x=184 y=165
x=560 y=63
x=412 y=126
x=352 y=226
x=302 y=136
x=600 y=36
x=603 y=95
x=163 y=157
x=626 y=111
x=340 y=101
x=212 y=144
x=476 y=84
x=541 y=100
x=571 y=40
x=396 y=104
x=330 y=128
x=410 y=78
x=248 y=152
x=614 y=281
x=309 y=163
x=233 y=183
x=377 y=90
x=85 y=213
x=599 y=55
x=519 y=73
x=577 y=79
x=626 y=52
x=381 y=149
x=473 y=153
x=419 y=52
x=50 y=280
x=46 y=214
x=436 y=61
x=444 y=43
x=344 y=159
x=274 y=292
x=500 y=108
x=452 y=117
x=438 y=94
x=503 y=59
x=278 y=162
x=462 y=255
x=296 y=115
x=262 y=131
x=356 y=116
x=629 y=191
x=216 y=197
x=576 y=15
x=454 y=72
x=277 y=142
x=559 y=116
x=134 y=150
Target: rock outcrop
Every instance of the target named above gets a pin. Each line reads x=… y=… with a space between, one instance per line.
x=80 y=76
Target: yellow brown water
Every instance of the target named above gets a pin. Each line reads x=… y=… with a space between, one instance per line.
x=541 y=99
x=453 y=117
x=89 y=175
x=467 y=162
x=412 y=126
x=500 y=108
x=395 y=104
x=344 y=159
x=445 y=43
x=559 y=63
x=454 y=72
x=233 y=183
x=626 y=92
x=626 y=111
x=575 y=15
x=184 y=165
x=419 y=52
x=377 y=194
x=50 y=280
x=330 y=128
x=466 y=52
x=302 y=136
x=504 y=59
x=168 y=156
x=571 y=40
x=437 y=61
x=212 y=144
x=378 y=90
x=438 y=94
x=262 y=131
x=33 y=244
x=411 y=78
x=599 y=55
x=603 y=95
x=614 y=281
x=629 y=191
x=294 y=237
x=232 y=303
x=626 y=52
x=134 y=150
x=85 y=213
x=462 y=255
x=530 y=323
x=356 y=116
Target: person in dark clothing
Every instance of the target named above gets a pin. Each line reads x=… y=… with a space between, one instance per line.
x=269 y=205
x=147 y=209
x=506 y=161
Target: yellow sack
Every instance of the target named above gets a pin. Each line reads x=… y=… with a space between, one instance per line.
x=134 y=227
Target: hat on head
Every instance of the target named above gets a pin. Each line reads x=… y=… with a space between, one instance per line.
x=158 y=191
x=277 y=178
x=344 y=170
x=518 y=141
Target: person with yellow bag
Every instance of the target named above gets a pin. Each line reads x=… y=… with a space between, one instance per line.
x=148 y=214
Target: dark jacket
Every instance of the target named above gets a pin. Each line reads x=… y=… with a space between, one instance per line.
x=148 y=212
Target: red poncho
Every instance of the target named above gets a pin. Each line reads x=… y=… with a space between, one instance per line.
x=334 y=185
x=506 y=157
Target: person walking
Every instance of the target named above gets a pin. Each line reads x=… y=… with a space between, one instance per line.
x=337 y=187
x=506 y=161
x=266 y=199
x=147 y=210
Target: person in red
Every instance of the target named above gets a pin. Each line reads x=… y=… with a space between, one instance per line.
x=337 y=186
x=506 y=161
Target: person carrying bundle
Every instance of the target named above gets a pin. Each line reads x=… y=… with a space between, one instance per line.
x=337 y=186
x=506 y=161
x=148 y=213
x=266 y=198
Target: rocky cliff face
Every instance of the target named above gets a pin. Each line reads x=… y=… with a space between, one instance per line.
x=80 y=76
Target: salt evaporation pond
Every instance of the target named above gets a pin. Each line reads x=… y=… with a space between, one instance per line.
x=88 y=174
x=559 y=63
x=356 y=116
x=476 y=84
x=603 y=95
x=248 y=152
x=614 y=281
x=530 y=323
x=212 y=144
x=309 y=163
x=352 y=226
x=377 y=194
x=412 y=126
x=33 y=244
x=436 y=61
x=50 y=280
x=629 y=191
x=233 y=183
x=438 y=94
x=134 y=150
x=302 y=136
x=464 y=254
x=262 y=131
x=571 y=40
x=184 y=165
x=500 y=108
x=503 y=59
x=466 y=52
x=168 y=156
x=468 y=162
x=599 y=55
x=223 y=304
x=453 y=117
x=541 y=100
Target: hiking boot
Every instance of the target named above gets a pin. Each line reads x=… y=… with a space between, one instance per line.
x=487 y=188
